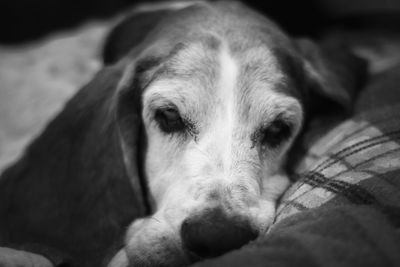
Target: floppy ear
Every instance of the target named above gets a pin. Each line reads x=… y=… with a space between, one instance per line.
x=71 y=190
x=128 y=108
x=333 y=75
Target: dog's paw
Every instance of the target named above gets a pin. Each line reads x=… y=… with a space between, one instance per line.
x=18 y=258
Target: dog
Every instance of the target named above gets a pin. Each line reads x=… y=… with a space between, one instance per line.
x=177 y=150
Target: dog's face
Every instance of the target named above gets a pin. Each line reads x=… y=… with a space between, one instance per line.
x=222 y=101
x=218 y=127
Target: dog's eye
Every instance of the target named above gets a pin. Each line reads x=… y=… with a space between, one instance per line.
x=169 y=120
x=276 y=133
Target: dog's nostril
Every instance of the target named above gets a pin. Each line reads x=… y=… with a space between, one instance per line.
x=212 y=233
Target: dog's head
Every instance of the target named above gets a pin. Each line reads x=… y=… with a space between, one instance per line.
x=221 y=94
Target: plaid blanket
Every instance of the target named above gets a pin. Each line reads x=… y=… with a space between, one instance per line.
x=344 y=208
x=356 y=163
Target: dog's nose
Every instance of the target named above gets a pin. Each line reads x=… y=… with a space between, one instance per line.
x=213 y=233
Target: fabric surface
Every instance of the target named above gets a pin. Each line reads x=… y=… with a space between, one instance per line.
x=344 y=209
x=358 y=163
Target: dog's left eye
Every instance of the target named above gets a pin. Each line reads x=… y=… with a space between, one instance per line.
x=169 y=120
x=276 y=133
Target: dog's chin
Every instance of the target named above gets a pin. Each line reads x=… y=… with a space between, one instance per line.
x=158 y=253
x=141 y=258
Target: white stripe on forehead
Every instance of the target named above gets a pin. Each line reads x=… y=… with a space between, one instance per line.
x=228 y=72
x=227 y=82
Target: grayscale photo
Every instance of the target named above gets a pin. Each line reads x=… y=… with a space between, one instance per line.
x=200 y=133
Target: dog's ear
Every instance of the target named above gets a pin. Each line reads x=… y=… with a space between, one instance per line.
x=72 y=186
x=128 y=115
x=128 y=119
x=333 y=75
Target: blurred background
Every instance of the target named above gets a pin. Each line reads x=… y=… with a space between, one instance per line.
x=22 y=20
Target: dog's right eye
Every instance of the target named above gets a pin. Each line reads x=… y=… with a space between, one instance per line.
x=276 y=133
x=169 y=120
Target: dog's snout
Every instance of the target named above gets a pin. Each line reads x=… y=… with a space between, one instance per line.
x=213 y=233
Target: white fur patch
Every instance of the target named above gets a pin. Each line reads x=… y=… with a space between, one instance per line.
x=226 y=124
